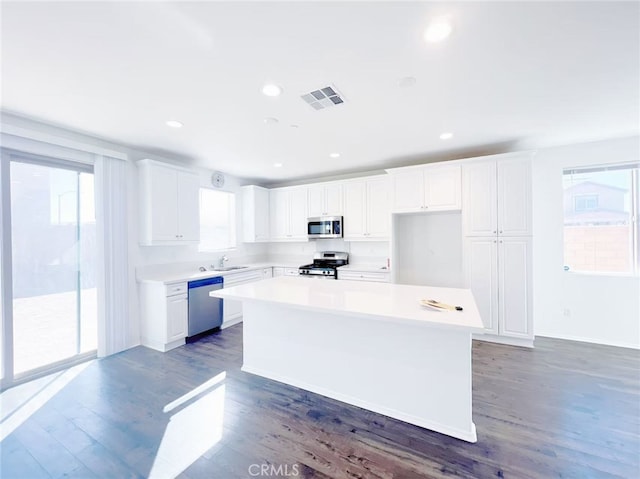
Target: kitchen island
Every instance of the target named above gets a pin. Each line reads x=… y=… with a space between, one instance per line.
x=372 y=345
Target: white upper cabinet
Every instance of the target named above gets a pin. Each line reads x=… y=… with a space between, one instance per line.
x=288 y=214
x=480 y=199
x=426 y=188
x=325 y=199
x=169 y=204
x=255 y=214
x=497 y=197
x=366 y=209
x=514 y=197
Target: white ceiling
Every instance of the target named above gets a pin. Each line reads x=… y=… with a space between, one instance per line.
x=511 y=76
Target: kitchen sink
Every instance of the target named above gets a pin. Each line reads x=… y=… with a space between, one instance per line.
x=230 y=268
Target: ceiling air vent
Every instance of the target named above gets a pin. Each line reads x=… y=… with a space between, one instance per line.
x=323 y=98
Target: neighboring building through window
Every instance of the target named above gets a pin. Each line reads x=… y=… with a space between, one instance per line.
x=600 y=212
x=217 y=220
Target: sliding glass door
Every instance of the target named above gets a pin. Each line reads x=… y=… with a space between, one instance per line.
x=52 y=253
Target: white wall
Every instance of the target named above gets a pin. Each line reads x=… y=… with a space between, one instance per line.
x=593 y=308
x=428 y=249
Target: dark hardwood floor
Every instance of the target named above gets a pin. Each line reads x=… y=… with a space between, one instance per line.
x=564 y=409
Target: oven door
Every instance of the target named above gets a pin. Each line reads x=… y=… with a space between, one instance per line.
x=325 y=227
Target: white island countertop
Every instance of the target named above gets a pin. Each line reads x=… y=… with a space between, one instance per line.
x=383 y=301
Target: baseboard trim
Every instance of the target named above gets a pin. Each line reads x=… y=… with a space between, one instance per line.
x=589 y=340
x=521 y=342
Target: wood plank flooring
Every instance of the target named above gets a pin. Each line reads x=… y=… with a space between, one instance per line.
x=564 y=409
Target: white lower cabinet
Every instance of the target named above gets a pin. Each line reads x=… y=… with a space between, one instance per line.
x=232 y=309
x=278 y=271
x=499 y=275
x=164 y=311
x=373 y=276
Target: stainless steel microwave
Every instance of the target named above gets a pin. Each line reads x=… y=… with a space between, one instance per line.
x=324 y=227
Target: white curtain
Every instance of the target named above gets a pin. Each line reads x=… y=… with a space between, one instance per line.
x=111 y=184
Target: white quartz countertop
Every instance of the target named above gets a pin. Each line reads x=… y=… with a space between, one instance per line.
x=382 y=301
x=168 y=277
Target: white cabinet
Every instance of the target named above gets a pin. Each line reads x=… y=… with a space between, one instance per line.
x=426 y=188
x=255 y=214
x=169 y=204
x=499 y=275
x=373 y=276
x=366 y=209
x=497 y=197
x=280 y=271
x=497 y=225
x=232 y=309
x=325 y=199
x=288 y=214
x=267 y=273
x=164 y=314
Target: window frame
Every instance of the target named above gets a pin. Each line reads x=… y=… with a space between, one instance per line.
x=634 y=223
x=232 y=216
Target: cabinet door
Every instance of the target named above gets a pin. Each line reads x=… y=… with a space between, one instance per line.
x=188 y=206
x=261 y=212
x=514 y=197
x=354 y=221
x=162 y=204
x=279 y=214
x=479 y=199
x=315 y=195
x=177 y=316
x=514 y=262
x=267 y=273
x=333 y=199
x=378 y=212
x=298 y=213
x=278 y=271
x=442 y=187
x=408 y=191
x=482 y=278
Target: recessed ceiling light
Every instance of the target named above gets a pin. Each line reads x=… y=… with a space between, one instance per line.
x=334 y=155
x=446 y=135
x=406 y=82
x=270 y=121
x=271 y=90
x=277 y=165
x=174 y=123
x=438 y=30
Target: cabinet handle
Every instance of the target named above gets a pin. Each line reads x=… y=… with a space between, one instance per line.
x=494 y=231
x=500 y=231
x=500 y=241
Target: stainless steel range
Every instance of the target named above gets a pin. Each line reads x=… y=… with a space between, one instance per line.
x=325 y=265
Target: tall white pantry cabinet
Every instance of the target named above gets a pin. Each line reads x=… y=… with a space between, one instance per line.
x=496 y=199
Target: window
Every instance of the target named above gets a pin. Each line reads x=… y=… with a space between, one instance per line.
x=585 y=202
x=600 y=219
x=217 y=220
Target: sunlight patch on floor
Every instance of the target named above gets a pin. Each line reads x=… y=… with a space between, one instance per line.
x=191 y=431
x=20 y=402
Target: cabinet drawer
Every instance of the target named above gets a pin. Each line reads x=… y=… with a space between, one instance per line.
x=364 y=276
x=291 y=272
x=244 y=277
x=176 y=288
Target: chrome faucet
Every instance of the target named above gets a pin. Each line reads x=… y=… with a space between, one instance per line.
x=223 y=259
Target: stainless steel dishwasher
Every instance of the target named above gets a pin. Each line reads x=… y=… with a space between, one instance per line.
x=205 y=312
